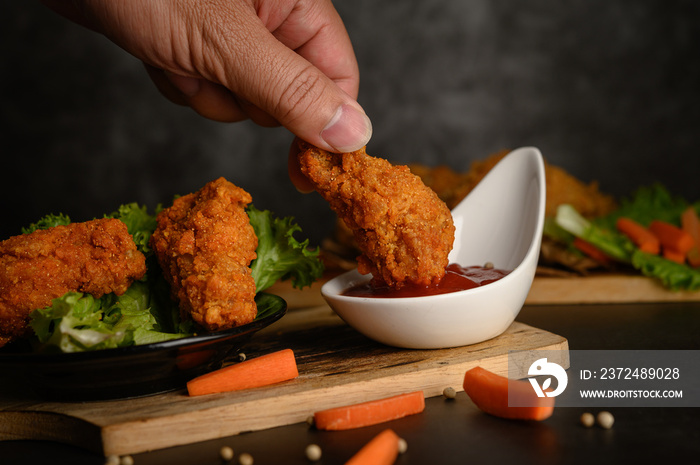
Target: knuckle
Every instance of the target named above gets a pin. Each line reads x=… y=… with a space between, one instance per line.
x=301 y=93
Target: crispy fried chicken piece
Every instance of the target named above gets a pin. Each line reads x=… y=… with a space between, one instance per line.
x=562 y=187
x=96 y=257
x=204 y=243
x=404 y=231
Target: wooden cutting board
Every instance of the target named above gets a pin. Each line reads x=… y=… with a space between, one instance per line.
x=601 y=289
x=337 y=366
x=547 y=290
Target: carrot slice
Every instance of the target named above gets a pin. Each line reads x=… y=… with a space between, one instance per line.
x=370 y=413
x=674 y=256
x=694 y=257
x=381 y=450
x=260 y=371
x=592 y=251
x=690 y=223
x=490 y=392
x=672 y=237
x=644 y=239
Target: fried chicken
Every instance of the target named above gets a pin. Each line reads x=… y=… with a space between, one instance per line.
x=95 y=257
x=204 y=243
x=404 y=231
x=562 y=187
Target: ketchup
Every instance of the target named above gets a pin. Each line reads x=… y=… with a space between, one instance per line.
x=457 y=278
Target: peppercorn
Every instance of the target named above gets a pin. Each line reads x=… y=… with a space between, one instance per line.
x=587 y=419
x=605 y=419
x=226 y=453
x=313 y=452
x=449 y=393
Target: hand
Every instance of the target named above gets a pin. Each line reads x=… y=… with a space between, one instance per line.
x=277 y=62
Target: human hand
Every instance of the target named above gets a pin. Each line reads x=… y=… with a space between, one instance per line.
x=277 y=62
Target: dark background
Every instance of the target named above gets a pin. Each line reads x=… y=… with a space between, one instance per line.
x=606 y=89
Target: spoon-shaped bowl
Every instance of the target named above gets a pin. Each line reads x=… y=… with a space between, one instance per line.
x=501 y=222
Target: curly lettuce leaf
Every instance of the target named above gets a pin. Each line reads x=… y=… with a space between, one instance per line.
x=73 y=323
x=46 y=222
x=280 y=256
x=139 y=223
x=672 y=275
x=648 y=203
x=78 y=322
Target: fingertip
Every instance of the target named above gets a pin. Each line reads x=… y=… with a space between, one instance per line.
x=349 y=129
x=300 y=181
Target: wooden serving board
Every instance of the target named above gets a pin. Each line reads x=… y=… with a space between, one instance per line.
x=337 y=366
x=602 y=289
x=549 y=290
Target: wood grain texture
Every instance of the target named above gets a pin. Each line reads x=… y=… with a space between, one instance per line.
x=602 y=289
x=337 y=366
x=546 y=290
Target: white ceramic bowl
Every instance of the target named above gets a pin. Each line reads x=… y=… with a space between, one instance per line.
x=501 y=222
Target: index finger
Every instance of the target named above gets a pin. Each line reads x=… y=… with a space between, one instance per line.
x=315 y=31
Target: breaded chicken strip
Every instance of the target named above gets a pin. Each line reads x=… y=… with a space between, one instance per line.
x=204 y=243
x=404 y=231
x=96 y=257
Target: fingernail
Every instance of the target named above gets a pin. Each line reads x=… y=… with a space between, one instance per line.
x=350 y=129
x=187 y=85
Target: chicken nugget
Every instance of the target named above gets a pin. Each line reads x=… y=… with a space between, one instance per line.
x=204 y=243
x=96 y=257
x=403 y=229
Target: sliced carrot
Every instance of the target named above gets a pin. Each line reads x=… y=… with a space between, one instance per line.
x=492 y=393
x=256 y=372
x=644 y=239
x=592 y=251
x=381 y=450
x=693 y=257
x=370 y=413
x=672 y=237
x=674 y=256
x=690 y=223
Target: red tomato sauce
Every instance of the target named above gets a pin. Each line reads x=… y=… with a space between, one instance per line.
x=457 y=278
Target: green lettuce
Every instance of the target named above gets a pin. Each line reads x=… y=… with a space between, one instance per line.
x=48 y=221
x=647 y=204
x=139 y=223
x=78 y=322
x=609 y=241
x=280 y=255
x=671 y=274
x=145 y=313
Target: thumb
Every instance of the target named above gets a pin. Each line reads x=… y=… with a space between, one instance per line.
x=306 y=96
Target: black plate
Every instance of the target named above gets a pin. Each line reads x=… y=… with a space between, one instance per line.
x=130 y=371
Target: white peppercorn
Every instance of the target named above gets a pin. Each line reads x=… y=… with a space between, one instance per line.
x=449 y=393
x=403 y=446
x=587 y=419
x=313 y=452
x=226 y=453
x=605 y=419
x=245 y=459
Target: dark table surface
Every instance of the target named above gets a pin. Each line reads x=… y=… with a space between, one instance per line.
x=455 y=432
